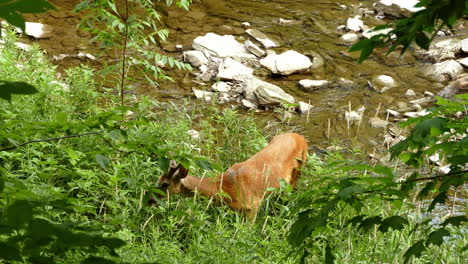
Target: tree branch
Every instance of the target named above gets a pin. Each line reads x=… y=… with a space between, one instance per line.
x=98 y=133
x=49 y=139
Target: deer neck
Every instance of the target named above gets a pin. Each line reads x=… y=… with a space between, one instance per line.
x=205 y=186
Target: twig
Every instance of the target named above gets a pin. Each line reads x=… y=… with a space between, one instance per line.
x=49 y=139
x=124 y=55
x=98 y=133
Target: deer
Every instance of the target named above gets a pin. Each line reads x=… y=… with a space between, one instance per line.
x=244 y=185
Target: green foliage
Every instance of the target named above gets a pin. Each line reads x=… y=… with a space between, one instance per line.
x=421 y=27
x=131 y=29
x=12 y=11
x=359 y=186
x=9 y=88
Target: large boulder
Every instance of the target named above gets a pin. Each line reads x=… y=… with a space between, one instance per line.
x=446 y=71
x=286 y=63
x=222 y=46
x=440 y=50
x=355 y=24
x=196 y=58
x=397 y=8
x=230 y=69
x=310 y=85
x=270 y=94
x=38 y=30
x=452 y=89
x=262 y=38
x=256 y=90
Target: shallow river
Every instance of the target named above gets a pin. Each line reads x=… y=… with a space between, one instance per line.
x=315 y=32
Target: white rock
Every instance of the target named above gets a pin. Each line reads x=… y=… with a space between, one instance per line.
x=341 y=28
x=435 y=158
x=464 y=45
x=248 y=104
x=464 y=62
x=406 y=4
x=83 y=56
x=377 y=122
x=411 y=114
x=369 y=33
x=427 y=93
x=38 y=30
x=397 y=8
x=445 y=169
x=224 y=98
x=385 y=80
x=179 y=47
x=262 y=38
x=352 y=116
x=200 y=94
x=222 y=46
x=230 y=69
x=355 y=115
x=410 y=92
x=354 y=24
x=422 y=101
x=270 y=94
x=392 y=112
x=440 y=50
x=196 y=58
x=65 y=87
x=256 y=50
x=221 y=87
x=22 y=46
x=195 y=135
x=245 y=25
x=286 y=63
x=350 y=37
x=313 y=84
x=446 y=70
x=304 y=107
x=288 y=22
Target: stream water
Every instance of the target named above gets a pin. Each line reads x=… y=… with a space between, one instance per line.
x=314 y=32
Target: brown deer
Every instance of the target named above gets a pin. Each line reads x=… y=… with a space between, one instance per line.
x=245 y=183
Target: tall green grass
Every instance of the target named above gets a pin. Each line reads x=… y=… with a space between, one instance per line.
x=176 y=230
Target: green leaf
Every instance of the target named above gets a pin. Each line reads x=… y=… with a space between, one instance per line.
x=396 y=222
x=347 y=192
x=415 y=250
x=19 y=213
x=164 y=163
x=11 y=11
x=329 y=258
x=8 y=88
x=31 y=6
x=440 y=198
x=437 y=237
x=9 y=252
x=204 y=164
x=98 y=260
x=368 y=223
x=455 y=220
x=355 y=220
x=102 y=160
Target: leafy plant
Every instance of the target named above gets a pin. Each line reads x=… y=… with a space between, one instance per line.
x=12 y=11
x=129 y=28
x=359 y=186
x=421 y=27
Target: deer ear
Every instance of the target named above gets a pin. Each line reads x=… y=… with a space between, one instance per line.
x=181 y=172
x=177 y=171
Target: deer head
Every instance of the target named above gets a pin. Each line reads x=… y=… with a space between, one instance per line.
x=171 y=182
